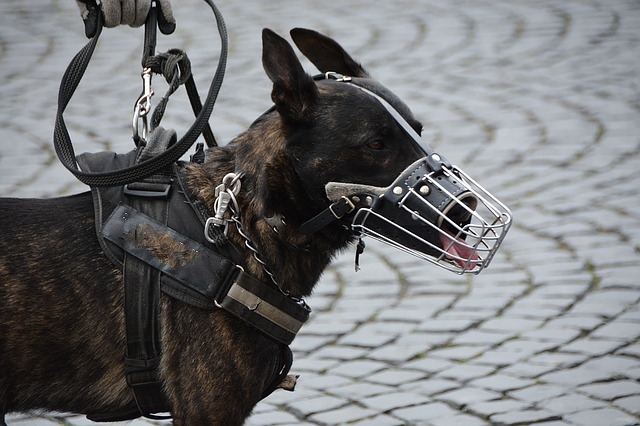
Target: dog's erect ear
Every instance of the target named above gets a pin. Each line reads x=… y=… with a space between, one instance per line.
x=294 y=91
x=325 y=53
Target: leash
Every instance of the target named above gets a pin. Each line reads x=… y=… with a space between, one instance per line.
x=74 y=73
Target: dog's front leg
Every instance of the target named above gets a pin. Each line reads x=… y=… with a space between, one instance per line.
x=214 y=366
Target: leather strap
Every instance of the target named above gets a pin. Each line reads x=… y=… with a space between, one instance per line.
x=201 y=277
x=335 y=211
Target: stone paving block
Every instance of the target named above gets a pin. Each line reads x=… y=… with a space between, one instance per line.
x=510 y=324
x=426 y=340
x=571 y=403
x=310 y=343
x=595 y=305
x=551 y=334
x=479 y=337
x=339 y=352
x=501 y=382
x=612 y=364
x=491 y=304
x=631 y=350
x=403 y=314
x=429 y=366
x=602 y=416
x=489 y=408
x=458 y=352
x=612 y=390
x=592 y=347
x=302 y=392
x=394 y=400
x=316 y=405
x=273 y=418
x=397 y=352
x=426 y=413
x=575 y=376
x=624 y=275
x=381 y=420
x=534 y=310
x=632 y=315
x=538 y=393
x=466 y=395
x=465 y=372
x=366 y=339
x=322 y=381
x=362 y=390
x=314 y=364
x=395 y=377
x=615 y=330
x=527 y=370
x=326 y=326
x=630 y=404
x=524 y=417
x=500 y=358
x=451 y=325
x=557 y=359
x=580 y=322
x=527 y=347
x=344 y=415
x=359 y=368
x=431 y=386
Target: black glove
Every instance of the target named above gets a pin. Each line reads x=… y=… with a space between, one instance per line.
x=124 y=12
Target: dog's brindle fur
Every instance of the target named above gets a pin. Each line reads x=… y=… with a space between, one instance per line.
x=62 y=338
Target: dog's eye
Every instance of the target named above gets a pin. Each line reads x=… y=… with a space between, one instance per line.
x=376 y=145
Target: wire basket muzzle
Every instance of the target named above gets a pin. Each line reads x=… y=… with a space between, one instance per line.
x=444 y=217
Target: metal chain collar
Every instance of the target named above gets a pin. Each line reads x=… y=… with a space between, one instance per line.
x=226 y=201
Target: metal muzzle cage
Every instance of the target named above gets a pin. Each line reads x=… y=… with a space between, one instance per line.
x=443 y=217
x=433 y=210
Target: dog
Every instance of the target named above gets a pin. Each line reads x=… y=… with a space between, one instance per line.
x=62 y=318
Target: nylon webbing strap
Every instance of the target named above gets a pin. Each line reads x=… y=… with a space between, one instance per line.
x=71 y=80
x=142 y=305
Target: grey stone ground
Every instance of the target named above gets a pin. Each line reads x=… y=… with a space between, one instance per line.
x=539 y=100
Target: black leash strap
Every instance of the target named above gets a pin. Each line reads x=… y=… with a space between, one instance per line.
x=71 y=79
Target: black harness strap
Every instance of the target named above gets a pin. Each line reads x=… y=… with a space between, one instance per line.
x=142 y=285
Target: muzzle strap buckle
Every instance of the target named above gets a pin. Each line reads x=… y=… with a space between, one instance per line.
x=335 y=211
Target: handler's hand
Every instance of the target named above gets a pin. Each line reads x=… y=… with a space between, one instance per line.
x=125 y=12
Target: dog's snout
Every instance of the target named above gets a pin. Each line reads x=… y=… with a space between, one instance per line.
x=460 y=209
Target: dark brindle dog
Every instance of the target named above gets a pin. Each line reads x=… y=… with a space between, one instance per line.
x=62 y=332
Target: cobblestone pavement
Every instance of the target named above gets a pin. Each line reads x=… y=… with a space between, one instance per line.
x=538 y=100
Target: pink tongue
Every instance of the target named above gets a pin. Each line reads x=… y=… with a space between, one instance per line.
x=458 y=251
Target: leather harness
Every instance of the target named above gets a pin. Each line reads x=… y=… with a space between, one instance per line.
x=153 y=230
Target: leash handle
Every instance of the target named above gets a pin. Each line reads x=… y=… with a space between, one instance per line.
x=69 y=83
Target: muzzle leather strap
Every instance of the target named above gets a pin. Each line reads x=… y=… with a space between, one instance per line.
x=335 y=211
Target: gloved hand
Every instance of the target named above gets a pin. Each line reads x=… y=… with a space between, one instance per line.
x=125 y=12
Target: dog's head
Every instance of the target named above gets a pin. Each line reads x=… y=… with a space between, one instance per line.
x=345 y=138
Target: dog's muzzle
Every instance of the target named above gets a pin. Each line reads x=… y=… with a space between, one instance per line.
x=441 y=216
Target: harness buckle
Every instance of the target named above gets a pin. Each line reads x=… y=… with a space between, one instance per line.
x=347 y=202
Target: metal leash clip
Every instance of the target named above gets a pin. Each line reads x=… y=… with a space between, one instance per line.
x=142 y=107
x=225 y=197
